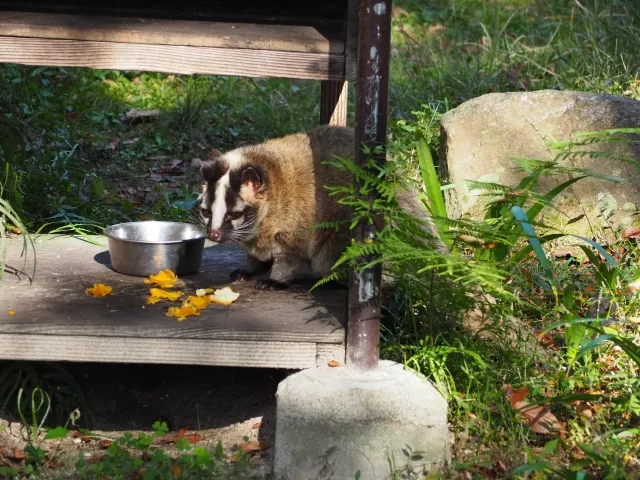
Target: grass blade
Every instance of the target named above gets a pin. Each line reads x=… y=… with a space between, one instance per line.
x=533 y=239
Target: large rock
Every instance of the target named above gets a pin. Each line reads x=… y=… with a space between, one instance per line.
x=481 y=138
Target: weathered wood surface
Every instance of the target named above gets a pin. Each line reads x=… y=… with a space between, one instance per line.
x=171 y=58
x=160 y=350
x=56 y=320
x=334 y=102
x=287 y=38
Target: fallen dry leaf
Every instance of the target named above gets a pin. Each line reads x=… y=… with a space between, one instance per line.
x=584 y=410
x=163 y=279
x=518 y=396
x=333 y=363
x=71 y=116
x=177 y=472
x=105 y=443
x=182 y=312
x=99 y=290
x=52 y=464
x=131 y=141
x=630 y=233
x=183 y=433
x=157 y=294
x=253 y=446
x=17 y=454
x=12 y=312
x=538 y=417
x=82 y=437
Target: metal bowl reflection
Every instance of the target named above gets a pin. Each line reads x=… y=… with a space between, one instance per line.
x=144 y=248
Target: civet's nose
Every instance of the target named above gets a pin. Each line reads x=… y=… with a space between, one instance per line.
x=215 y=235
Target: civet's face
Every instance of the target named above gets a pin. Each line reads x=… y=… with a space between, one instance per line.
x=228 y=199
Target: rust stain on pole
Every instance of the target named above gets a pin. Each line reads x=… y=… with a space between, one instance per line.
x=372 y=84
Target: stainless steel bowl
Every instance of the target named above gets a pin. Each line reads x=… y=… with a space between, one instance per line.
x=143 y=248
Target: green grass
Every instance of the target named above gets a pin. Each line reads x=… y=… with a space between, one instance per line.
x=86 y=168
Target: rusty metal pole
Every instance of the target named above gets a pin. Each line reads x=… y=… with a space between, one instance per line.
x=372 y=84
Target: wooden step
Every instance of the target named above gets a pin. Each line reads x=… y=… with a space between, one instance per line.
x=175 y=46
x=55 y=320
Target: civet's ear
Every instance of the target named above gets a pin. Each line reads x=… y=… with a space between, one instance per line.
x=251 y=179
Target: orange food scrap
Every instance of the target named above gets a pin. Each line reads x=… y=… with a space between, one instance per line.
x=199 y=302
x=203 y=291
x=333 y=363
x=99 y=290
x=164 y=279
x=181 y=313
x=157 y=294
x=12 y=312
x=224 y=296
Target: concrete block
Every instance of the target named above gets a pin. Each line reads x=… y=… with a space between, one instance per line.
x=335 y=422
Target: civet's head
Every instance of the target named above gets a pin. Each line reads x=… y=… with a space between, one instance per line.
x=232 y=196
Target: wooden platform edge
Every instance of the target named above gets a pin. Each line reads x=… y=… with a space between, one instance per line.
x=153 y=31
x=289 y=355
x=185 y=60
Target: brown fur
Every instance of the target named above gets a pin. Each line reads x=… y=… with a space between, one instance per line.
x=293 y=199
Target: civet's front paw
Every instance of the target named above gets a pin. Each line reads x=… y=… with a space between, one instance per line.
x=268 y=284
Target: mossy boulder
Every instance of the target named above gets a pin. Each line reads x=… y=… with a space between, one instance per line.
x=482 y=137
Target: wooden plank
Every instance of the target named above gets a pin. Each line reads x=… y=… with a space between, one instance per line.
x=334 y=100
x=55 y=303
x=163 y=351
x=351 y=42
x=327 y=352
x=171 y=58
x=254 y=11
x=287 y=38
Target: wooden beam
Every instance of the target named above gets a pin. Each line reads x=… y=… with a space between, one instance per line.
x=334 y=99
x=171 y=58
x=61 y=348
x=285 y=38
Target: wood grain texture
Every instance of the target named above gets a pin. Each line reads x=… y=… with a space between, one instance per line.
x=287 y=38
x=55 y=302
x=334 y=99
x=159 y=350
x=327 y=352
x=351 y=40
x=171 y=58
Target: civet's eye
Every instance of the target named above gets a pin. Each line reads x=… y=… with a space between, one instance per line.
x=233 y=215
x=205 y=212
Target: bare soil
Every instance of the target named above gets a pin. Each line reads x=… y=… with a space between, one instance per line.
x=219 y=403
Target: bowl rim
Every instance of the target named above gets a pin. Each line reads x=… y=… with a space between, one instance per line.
x=108 y=233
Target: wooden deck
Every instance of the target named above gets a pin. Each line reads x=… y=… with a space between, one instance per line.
x=55 y=320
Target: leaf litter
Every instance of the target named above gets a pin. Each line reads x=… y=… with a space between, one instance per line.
x=537 y=417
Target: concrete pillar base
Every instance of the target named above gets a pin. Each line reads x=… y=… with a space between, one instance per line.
x=335 y=422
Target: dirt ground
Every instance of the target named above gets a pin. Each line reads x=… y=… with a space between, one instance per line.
x=221 y=404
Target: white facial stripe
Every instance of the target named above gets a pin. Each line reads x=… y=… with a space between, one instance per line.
x=219 y=207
